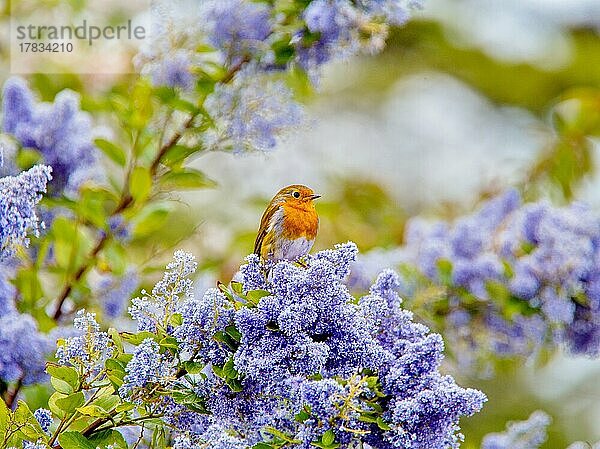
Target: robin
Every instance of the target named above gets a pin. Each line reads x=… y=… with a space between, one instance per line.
x=289 y=225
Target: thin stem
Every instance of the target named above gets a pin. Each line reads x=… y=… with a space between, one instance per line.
x=77 y=277
x=67 y=421
x=170 y=143
x=129 y=422
x=12 y=395
x=127 y=200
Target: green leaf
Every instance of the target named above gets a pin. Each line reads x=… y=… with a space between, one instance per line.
x=158 y=437
x=262 y=446
x=193 y=367
x=150 y=221
x=61 y=386
x=238 y=288
x=4 y=417
x=328 y=438
x=28 y=285
x=115 y=371
x=54 y=408
x=65 y=373
x=74 y=440
x=367 y=417
x=27 y=158
x=232 y=331
x=93 y=410
x=169 y=343
x=136 y=339
x=165 y=93
x=114 y=152
x=302 y=416
x=234 y=384
x=70 y=403
x=498 y=291
x=116 y=338
x=124 y=407
x=445 y=271
x=109 y=437
x=225 y=338
x=107 y=403
x=254 y=296
x=176 y=319
x=188 y=179
x=114 y=365
x=178 y=153
x=91 y=206
x=382 y=424
x=140 y=184
x=282 y=436
x=218 y=371
x=28 y=425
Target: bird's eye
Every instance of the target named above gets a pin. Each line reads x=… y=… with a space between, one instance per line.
x=296 y=194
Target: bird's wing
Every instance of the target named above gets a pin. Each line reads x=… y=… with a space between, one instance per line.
x=266 y=226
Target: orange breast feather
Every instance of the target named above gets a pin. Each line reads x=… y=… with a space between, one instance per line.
x=300 y=222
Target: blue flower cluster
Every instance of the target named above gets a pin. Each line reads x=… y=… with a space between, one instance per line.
x=88 y=349
x=24 y=348
x=44 y=418
x=244 y=30
x=250 y=114
x=114 y=292
x=154 y=312
x=294 y=351
x=250 y=40
x=59 y=131
x=339 y=28
x=146 y=369
x=515 y=275
x=238 y=28
x=19 y=196
x=529 y=434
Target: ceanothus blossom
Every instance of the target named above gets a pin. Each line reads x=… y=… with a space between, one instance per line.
x=60 y=131
x=340 y=28
x=517 y=276
x=19 y=196
x=153 y=311
x=249 y=109
x=304 y=323
x=147 y=368
x=528 y=434
x=88 y=349
x=238 y=28
x=44 y=418
x=114 y=292
x=252 y=113
x=24 y=349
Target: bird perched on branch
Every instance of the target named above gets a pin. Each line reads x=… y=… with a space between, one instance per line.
x=289 y=225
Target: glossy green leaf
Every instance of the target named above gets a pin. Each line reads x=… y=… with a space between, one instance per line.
x=74 y=440
x=328 y=438
x=113 y=151
x=109 y=437
x=187 y=179
x=53 y=406
x=140 y=184
x=93 y=410
x=65 y=373
x=61 y=386
x=70 y=403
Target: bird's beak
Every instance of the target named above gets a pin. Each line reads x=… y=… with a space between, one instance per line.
x=314 y=197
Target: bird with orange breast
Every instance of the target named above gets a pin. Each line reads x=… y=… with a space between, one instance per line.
x=289 y=225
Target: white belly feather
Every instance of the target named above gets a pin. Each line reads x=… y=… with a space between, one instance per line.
x=293 y=249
